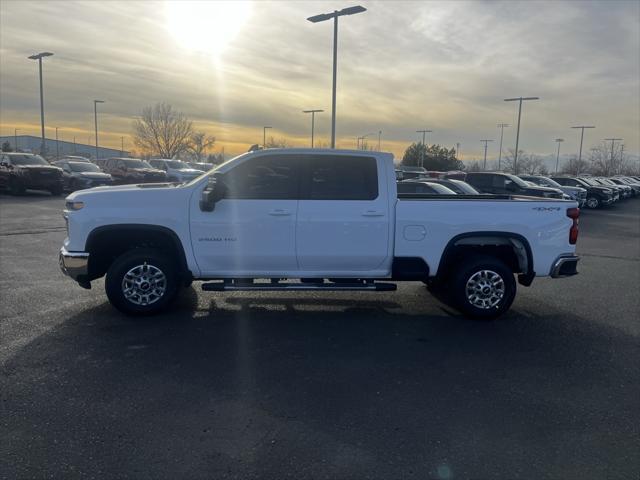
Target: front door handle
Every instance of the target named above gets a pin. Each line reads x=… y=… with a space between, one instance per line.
x=373 y=213
x=279 y=212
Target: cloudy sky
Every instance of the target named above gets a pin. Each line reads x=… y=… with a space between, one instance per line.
x=403 y=66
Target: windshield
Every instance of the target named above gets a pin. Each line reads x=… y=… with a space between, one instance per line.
x=135 y=163
x=83 y=167
x=465 y=187
x=518 y=181
x=27 y=160
x=547 y=182
x=177 y=164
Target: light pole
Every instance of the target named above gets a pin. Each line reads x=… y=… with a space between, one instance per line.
x=612 y=140
x=313 y=121
x=321 y=18
x=15 y=138
x=122 y=146
x=57 y=150
x=95 y=119
x=379 y=136
x=559 y=140
x=484 y=167
x=501 y=126
x=519 y=99
x=424 y=136
x=264 y=136
x=581 y=127
x=362 y=138
x=458 y=156
x=39 y=57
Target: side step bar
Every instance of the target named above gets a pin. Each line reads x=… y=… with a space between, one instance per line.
x=287 y=287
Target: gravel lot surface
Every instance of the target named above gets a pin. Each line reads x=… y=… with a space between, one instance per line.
x=333 y=385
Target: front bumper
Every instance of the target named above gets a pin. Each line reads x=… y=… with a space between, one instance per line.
x=74 y=264
x=565 y=266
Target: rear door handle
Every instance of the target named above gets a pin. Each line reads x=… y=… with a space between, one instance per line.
x=278 y=212
x=373 y=213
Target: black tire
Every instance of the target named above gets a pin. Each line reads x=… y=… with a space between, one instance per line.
x=592 y=202
x=56 y=191
x=496 y=295
x=16 y=187
x=136 y=261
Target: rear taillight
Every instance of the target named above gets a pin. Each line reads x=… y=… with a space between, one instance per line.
x=573 y=214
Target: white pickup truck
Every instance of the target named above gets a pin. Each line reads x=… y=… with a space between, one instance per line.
x=312 y=219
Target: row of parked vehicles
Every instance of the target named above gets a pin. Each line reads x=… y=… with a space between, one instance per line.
x=589 y=191
x=22 y=171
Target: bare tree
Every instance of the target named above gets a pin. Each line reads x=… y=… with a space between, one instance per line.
x=277 y=143
x=573 y=167
x=527 y=163
x=162 y=131
x=199 y=144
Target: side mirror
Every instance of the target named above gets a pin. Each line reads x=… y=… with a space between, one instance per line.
x=212 y=193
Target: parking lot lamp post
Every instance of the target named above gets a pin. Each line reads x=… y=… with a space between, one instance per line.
x=313 y=121
x=424 y=136
x=612 y=140
x=559 y=141
x=95 y=119
x=519 y=99
x=581 y=127
x=39 y=57
x=501 y=126
x=15 y=139
x=57 y=149
x=264 y=136
x=321 y=18
x=379 y=136
x=122 y=146
x=486 y=141
x=363 y=137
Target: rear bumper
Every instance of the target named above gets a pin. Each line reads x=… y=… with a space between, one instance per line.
x=74 y=264
x=565 y=266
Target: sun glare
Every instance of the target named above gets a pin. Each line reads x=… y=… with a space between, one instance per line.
x=206 y=26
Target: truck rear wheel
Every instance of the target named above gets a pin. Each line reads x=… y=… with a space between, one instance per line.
x=483 y=287
x=142 y=282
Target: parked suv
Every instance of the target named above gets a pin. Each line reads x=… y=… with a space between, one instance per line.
x=132 y=170
x=22 y=171
x=79 y=175
x=176 y=170
x=597 y=196
x=578 y=194
x=506 y=184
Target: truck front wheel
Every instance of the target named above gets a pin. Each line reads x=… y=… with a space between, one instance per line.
x=483 y=287
x=142 y=282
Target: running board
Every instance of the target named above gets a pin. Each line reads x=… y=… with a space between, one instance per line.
x=287 y=287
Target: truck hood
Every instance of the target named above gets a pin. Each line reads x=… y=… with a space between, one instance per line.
x=80 y=195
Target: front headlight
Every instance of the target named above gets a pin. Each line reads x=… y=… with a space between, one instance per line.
x=74 y=206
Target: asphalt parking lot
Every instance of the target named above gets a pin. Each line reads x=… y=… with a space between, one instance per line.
x=342 y=385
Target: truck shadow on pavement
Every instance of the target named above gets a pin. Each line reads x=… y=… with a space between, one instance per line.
x=248 y=387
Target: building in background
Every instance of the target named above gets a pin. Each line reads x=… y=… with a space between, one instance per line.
x=31 y=144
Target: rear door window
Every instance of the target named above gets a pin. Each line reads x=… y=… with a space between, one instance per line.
x=341 y=178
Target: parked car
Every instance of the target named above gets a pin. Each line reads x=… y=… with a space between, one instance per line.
x=504 y=183
x=625 y=190
x=26 y=171
x=635 y=185
x=578 y=194
x=176 y=170
x=335 y=221
x=420 y=186
x=132 y=170
x=597 y=196
x=79 y=175
x=458 y=186
x=615 y=191
x=205 y=167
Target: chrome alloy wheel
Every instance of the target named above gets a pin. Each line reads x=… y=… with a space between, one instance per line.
x=144 y=284
x=485 y=289
x=592 y=202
